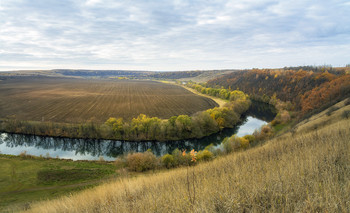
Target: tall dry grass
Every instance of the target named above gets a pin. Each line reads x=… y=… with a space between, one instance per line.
x=328 y=116
x=301 y=173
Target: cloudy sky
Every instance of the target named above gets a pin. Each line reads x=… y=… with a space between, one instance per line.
x=173 y=34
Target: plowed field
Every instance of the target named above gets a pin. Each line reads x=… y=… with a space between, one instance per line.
x=80 y=100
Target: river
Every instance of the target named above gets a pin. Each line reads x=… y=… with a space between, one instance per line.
x=91 y=149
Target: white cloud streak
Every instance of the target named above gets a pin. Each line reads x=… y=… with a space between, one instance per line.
x=172 y=35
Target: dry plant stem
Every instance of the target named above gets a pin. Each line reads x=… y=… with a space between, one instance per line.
x=194 y=187
x=188 y=186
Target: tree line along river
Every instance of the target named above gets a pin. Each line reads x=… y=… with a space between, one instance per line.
x=92 y=149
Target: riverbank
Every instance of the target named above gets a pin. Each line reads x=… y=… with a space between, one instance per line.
x=57 y=177
x=89 y=149
x=142 y=128
x=287 y=176
x=31 y=175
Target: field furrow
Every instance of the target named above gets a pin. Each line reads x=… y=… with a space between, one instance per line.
x=81 y=100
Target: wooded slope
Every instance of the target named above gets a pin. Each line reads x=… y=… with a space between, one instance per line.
x=308 y=90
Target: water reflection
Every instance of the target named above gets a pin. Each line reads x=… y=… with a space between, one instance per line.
x=251 y=124
x=262 y=111
x=90 y=149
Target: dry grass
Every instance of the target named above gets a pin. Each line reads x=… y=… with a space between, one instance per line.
x=219 y=101
x=301 y=173
x=330 y=115
x=78 y=100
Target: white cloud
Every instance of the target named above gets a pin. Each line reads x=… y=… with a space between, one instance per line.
x=214 y=20
x=92 y=2
x=173 y=35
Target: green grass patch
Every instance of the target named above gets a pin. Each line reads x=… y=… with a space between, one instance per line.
x=279 y=127
x=26 y=179
x=58 y=176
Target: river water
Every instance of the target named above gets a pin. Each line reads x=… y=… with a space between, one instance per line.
x=91 y=149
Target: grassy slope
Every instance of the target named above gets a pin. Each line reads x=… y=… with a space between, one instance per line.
x=207 y=75
x=24 y=180
x=326 y=117
x=301 y=172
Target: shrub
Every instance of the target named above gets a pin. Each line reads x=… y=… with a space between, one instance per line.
x=275 y=122
x=235 y=143
x=281 y=118
x=230 y=144
x=168 y=160
x=227 y=145
x=205 y=155
x=250 y=138
x=120 y=162
x=285 y=117
x=264 y=133
x=23 y=154
x=140 y=162
x=210 y=147
x=244 y=143
x=180 y=159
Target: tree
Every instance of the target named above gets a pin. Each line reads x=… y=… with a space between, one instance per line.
x=168 y=160
x=184 y=125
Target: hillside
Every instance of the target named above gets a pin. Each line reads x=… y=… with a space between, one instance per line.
x=306 y=89
x=197 y=76
x=303 y=172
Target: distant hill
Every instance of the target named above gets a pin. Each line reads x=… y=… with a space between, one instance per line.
x=197 y=76
x=103 y=73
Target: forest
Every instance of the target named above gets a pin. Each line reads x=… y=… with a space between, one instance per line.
x=306 y=90
x=176 y=75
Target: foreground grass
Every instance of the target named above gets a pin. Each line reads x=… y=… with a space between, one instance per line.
x=26 y=179
x=304 y=172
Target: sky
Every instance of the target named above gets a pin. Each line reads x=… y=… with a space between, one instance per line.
x=173 y=35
